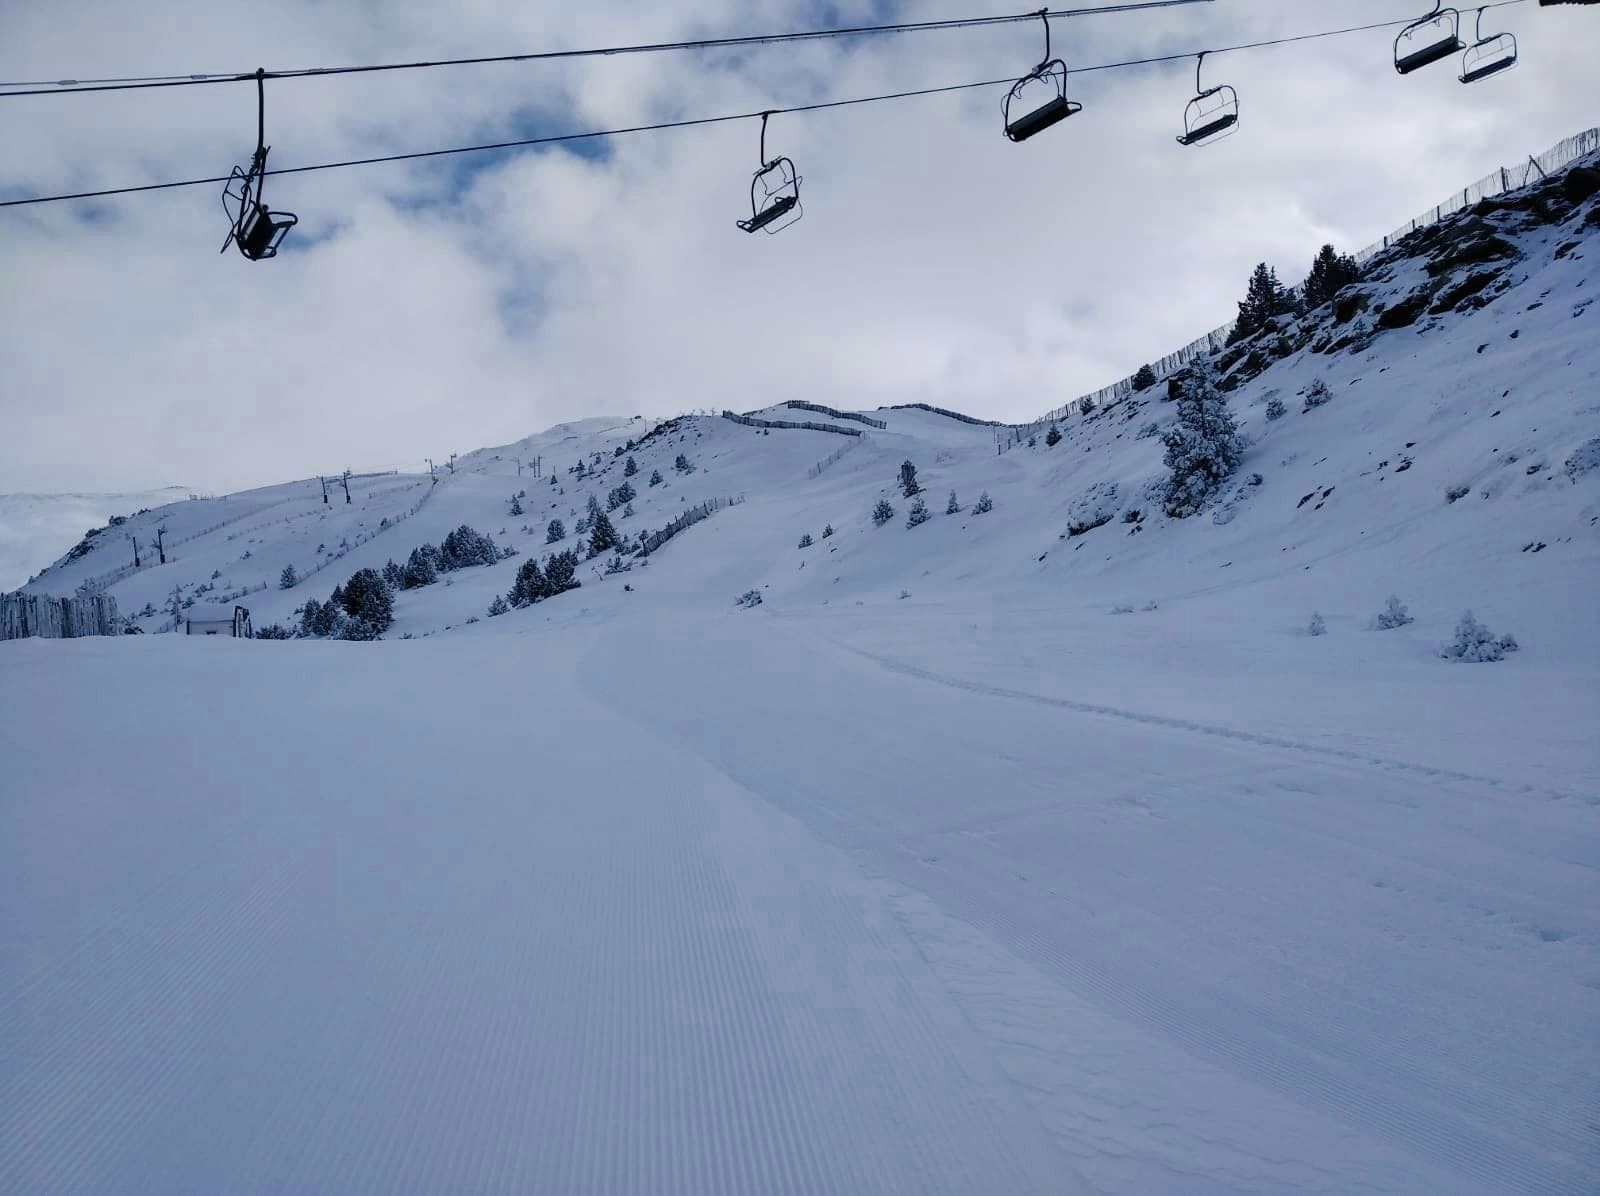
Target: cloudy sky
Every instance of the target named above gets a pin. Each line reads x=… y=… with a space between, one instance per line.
x=424 y=308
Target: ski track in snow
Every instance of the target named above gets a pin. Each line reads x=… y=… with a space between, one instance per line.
x=391 y=980
x=1399 y=1064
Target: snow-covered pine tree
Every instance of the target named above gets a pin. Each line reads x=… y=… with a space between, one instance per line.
x=882 y=513
x=908 y=480
x=602 y=536
x=1053 y=436
x=555 y=532
x=918 y=513
x=394 y=577
x=560 y=572
x=1145 y=378
x=827 y=531
x=984 y=505
x=498 y=606
x=806 y=541
x=655 y=477
x=516 y=505
x=530 y=585
x=1204 y=446
x=419 y=569
x=630 y=468
x=952 y=507
x=288 y=578
x=1275 y=409
x=366 y=597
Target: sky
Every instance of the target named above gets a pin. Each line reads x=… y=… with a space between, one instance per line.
x=425 y=308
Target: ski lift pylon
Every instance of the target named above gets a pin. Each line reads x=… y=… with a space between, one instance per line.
x=255 y=230
x=1487 y=55
x=1212 y=114
x=1428 y=39
x=774 y=192
x=1040 y=96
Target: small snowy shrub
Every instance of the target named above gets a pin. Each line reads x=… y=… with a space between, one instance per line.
x=498 y=607
x=1393 y=615
x=882 y=513
x=952 y=507
x=1474 y=643
x=827 y=531
x=655 y=477
x=274 y=631
x=1121 y=609
x=1316 y=626
x=1316 y=394
x=1457 y=492
x=1275 y=409
x=918 y=513
x=748 y=599
x=806 y=541
x=1095 y=508
x=984 y=505
x=1148 y=431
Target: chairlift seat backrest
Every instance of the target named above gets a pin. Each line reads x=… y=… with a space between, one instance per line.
x=1436 y=36
x=1488 y=57
x=1041 y=118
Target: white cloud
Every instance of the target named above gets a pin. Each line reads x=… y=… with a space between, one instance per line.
x=441 y=306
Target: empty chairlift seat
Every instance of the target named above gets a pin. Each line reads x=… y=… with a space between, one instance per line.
x=1428 y=40
x=1038 y=100
x=1213 y=113
x=774 y=192
x=1487 y=55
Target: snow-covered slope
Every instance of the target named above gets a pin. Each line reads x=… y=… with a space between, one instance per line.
x=35 y=527
x=1001 y=853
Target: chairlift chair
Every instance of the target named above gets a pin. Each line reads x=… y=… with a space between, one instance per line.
x=774 y=192
x=1428 y=39
x=252 y=227
x=1487 y=55
x=1212 y=114
x=1039 y=98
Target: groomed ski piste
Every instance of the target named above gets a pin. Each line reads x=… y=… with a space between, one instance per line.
x=1037 y=850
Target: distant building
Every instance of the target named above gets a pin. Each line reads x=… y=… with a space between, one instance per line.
x=219 y=622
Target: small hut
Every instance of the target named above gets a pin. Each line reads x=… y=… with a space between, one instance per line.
x=220 y=622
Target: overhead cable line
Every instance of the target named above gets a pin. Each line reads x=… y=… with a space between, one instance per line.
x=140 y=82
x=561 y=138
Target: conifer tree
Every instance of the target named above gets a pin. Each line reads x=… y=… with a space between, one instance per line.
x=882 y=513
x=1204 y=446
x=630 y=468
x=602 y=536
x=288 y=578
x=952 y=507
x=1053 y=436
x=516 y=505
x=1330 y=272
x=555 y=532
x=1264 y=298
x=1145 y=378
x=908 y=480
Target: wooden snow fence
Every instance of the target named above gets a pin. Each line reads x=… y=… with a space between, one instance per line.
x=807 y=426
x=26 y=615
x=650 y=541
x=802 y=405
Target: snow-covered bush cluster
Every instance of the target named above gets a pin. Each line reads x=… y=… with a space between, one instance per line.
x=1393 y=615
x=748 y=599
x=1317 y=394
x=1474 y=643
